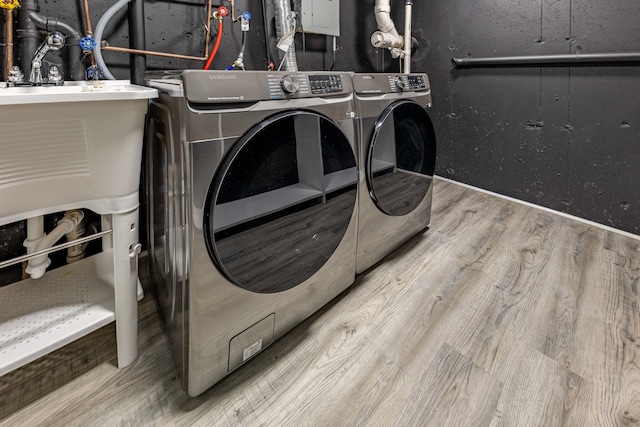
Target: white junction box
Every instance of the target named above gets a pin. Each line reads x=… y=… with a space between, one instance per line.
x=321 y=17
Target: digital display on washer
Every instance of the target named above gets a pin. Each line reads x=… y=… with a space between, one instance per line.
x=325 y=83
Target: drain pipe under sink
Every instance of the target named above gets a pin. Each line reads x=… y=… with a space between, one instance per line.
x=35 y=233
x=37 y=266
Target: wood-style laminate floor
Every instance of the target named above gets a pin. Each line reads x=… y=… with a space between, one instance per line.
x=499 y=315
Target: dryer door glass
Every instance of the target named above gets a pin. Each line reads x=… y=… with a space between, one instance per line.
x=401 y=158
x=281 y=201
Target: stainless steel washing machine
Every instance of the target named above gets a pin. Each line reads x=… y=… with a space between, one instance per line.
x=252 y=189
x=396 y=160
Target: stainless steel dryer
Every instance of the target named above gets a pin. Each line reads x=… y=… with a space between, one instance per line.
x=396 y=157
x=252 y=187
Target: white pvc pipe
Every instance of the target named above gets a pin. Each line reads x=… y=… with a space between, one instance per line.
x=382 y=11
x=387 y=36
x=35 y=232
x=99 y=31
x=407 y=36
x=38 y=266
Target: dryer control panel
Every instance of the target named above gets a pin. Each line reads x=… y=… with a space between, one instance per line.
x=407 y=82
x=364 y=84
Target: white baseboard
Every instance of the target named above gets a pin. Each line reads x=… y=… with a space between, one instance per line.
x=552 y=211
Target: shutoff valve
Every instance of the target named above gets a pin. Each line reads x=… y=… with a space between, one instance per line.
x=88 y=44
x=244 y=20
x=221 y=13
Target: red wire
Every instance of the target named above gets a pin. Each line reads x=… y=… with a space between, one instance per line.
x=215 y=46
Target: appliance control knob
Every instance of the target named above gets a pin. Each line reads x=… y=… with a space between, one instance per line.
x=289 y=84
x=400 y=84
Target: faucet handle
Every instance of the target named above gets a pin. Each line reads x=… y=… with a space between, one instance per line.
x=55 y=76
x=15 y=75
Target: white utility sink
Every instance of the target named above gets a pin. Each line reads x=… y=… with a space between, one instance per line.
x=76 y=146
x=72 y=146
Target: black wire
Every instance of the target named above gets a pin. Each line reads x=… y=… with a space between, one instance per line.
x=266 y=32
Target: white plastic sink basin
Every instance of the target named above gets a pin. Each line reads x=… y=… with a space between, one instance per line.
x=69 y=147
x=80 y=91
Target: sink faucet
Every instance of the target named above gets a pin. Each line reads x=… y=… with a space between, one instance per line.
x=54 y=41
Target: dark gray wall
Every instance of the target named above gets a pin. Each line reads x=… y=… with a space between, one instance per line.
x=562 y=137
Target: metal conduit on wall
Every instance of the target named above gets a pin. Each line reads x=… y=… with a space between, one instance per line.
x=547 y=60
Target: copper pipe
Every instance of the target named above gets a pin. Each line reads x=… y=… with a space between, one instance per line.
x=149 y=52
x=87 y=19
x=233 y=11
x=208 y=28
x=88 y=28
x=9 y=29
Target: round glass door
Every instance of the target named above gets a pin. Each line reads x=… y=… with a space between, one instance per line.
x=401 y=158
x=281 y=201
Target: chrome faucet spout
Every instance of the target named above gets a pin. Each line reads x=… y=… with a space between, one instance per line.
x=54 y=41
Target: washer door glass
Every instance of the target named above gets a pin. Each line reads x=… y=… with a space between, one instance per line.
x=281 y=201
x=401 y=158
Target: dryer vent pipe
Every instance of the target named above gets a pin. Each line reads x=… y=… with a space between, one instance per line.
x=285 y=32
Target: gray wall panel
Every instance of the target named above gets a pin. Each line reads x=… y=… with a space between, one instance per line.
x=553 y=151
x=535 y=137
x=600 y=26
x=605 y=145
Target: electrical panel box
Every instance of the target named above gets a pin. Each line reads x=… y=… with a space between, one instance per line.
x=321 y=17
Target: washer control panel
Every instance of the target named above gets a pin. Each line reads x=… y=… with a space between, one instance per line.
x=284 y=85
x=303 y=85
x=290 y=84
x=325 y=83
x=204 y=88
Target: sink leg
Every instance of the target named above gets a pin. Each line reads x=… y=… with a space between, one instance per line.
x=125 y=258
